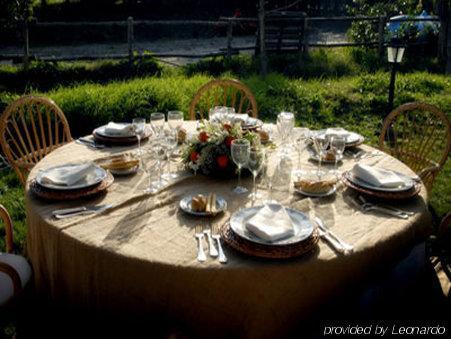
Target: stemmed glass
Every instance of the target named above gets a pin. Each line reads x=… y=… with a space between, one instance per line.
x=302 y=134
x=285 y=126
x=175 y=120
x=157 y=123
x=170 y=140
x=255 y=164
x=240 y=150
x=138 y=125
x=321 y=144
x=271 y=162
x=337 y=144
x=159 y=151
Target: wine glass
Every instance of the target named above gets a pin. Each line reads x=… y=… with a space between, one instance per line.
x=302 y=134
x=240 y=155
x=138 y=125
x=285 y=126
x=170 y=140
x=321 y=144
x=175 y=120
x=337 y=144
x=157 y=123
x=255 y=164
x=159 y=152
x=271 y=161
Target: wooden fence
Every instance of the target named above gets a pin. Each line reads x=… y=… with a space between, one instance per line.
x=228 y=22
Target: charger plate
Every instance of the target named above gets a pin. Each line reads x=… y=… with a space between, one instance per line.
x=55 y=195
x=268 y=251
x=119 y=140
x=398 y=195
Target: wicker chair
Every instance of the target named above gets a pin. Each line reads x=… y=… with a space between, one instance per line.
x=30 y=128
x=230 y=92
x=15 y=272
x=419 y=135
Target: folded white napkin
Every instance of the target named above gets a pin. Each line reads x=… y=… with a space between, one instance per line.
x=114 y=128
x=377 y=176
x=271 y=223
x=68 y=176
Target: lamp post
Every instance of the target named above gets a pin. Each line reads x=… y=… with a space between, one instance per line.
x=395 y=52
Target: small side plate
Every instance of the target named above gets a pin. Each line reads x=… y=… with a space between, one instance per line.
x=316 y=195
x=185 y=205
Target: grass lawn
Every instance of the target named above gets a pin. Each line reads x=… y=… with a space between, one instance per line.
x=353 y=99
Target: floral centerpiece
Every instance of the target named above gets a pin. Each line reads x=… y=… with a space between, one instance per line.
x=209 y=150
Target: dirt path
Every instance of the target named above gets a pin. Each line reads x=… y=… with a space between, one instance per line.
x=199 y=46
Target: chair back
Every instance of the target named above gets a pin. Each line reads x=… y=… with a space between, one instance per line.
x=30 y=128
x=8 y=224
x=419 y=135
x=223 y=92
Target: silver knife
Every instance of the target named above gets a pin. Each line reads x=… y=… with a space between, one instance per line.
x=347 y=247
x=82 y=210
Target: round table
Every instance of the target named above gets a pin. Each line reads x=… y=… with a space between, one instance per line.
x=141 y=254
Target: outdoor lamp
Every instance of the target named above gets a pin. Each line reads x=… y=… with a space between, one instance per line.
x=395 y=52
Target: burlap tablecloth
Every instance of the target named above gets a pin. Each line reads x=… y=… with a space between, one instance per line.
x=141 y=255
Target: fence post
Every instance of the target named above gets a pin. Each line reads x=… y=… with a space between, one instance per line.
x=229 y=38
x=305 y=42
x=130 y=39
x=261 y=27
x=26 y=45
x=381 y=50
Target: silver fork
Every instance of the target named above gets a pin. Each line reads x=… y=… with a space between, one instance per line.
x=200 y=247
x=211 y=246
x=367 y=206
x=222 y=258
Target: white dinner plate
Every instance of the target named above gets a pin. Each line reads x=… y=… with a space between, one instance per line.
x=303 y=227
x=408 y=183
x=185 y=205
x=93 y=178
x=102 y=132
x=351 y=139
x=316 y=195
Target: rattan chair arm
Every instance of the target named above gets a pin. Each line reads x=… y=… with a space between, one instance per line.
x=9 y=270
x=9 y=235
x=434 y=169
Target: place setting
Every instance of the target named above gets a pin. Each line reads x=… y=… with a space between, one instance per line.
x=71 y=182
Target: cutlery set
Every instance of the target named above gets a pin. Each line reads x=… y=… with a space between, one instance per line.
x=82 y=210
x=338 y=244
x=200 y=234
x=90 y=143
x=366 y=206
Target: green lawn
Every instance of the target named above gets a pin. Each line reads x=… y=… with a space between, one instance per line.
x=357 y=102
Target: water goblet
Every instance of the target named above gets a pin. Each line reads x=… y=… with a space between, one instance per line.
x=175 y=120
x=157 y=123
x=170 y=140
x=337 y=144
x=255 y=165
x=321 y=144
x=285 y=126
x=302 y=134
x=240 y=150
x=138 y=125
x=159 y=152
x=271 y=162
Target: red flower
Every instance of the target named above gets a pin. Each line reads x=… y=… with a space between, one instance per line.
x=228 y=141
x=194 y=156
x=222 y=161
x=227 y=127
x=203 y=136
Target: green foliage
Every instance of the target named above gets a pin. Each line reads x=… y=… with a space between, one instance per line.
x=47 y=75
x=364 y=31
